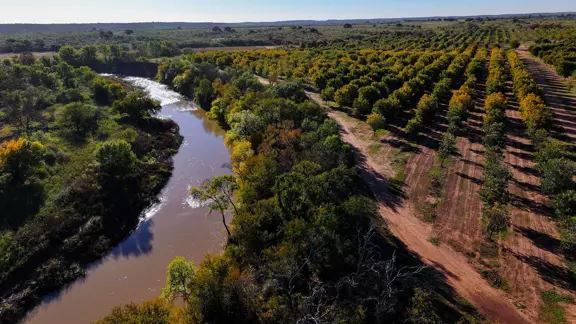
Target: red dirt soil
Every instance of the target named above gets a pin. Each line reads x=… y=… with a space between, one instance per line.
x=403 y=224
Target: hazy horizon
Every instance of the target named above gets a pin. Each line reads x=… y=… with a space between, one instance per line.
x=231 y=11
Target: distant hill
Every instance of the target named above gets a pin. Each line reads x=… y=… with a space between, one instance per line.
x=86 y=27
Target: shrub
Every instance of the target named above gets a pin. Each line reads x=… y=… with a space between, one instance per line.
x=79 y=118
x=115 y=158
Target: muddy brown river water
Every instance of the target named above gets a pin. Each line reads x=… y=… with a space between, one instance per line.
x=176 y=226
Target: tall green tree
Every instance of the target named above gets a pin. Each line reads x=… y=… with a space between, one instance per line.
x=179 y=276
x=137 y=105
x=218 y=193
x=79 y=118
x=116 y=158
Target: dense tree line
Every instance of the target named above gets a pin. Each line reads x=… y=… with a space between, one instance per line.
x=384 y=36
x=556 y=170
x=302 y=246
x=462 y=100
x=105 y=58
x=79 y=161
x=494 y=191
x=428 y=105
x=534 y=113
x=497 y=77
x=416 y=82
x=561 y=55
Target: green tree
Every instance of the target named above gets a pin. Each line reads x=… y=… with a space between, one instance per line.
x=495 y=136
x=79 y=118
x=376 y=121
x=422 y=310
x=388 y=107
x=204 y=94
x=370 y=94
x=21 y=165
x=218 y=193
x=345 y=96
x=137 y=105
x=68 y=54
x=116 y=158
x=496 y=177
x=556 y=175
x=565 y=204
x=327 y=94
x=105 y=92
x=25 y=107
x=179 y=276
x=361 y=106
x=156 y=311
x=289 y=90
x=89 y=54
x=447 y=148
x=495 y=219
x=21 y=159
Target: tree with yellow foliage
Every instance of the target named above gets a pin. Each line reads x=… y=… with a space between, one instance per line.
x=21 y=162
x=534 y=113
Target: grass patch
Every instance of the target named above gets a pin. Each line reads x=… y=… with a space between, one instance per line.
x=399 y=163
x=373 y=149
x=435 y=241
x=471 y=254
x=427 y=211
x=437 y=178
x=551 y=296
x=550 y=311
x=458 y=248
x=380 y=133
x=463 y=301
x=572 y=268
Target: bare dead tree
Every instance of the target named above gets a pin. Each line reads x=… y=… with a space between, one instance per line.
x=376 y=282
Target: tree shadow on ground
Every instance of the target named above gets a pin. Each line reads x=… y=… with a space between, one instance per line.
x=392 y=196
x=541 y=240
x=523 y=169
x=554 y=274
x=529 y=204
x=472 y=179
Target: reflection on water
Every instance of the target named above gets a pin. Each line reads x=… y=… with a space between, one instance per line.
x=175 y=226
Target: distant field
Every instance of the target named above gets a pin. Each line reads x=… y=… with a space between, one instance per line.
x=38 y=54
x=232 y=48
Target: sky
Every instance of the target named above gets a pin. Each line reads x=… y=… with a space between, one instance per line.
x=90 y=11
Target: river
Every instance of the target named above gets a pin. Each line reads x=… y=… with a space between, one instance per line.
x=176 y=226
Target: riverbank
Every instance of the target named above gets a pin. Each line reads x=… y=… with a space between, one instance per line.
x=82 y=220
x=175 y=226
